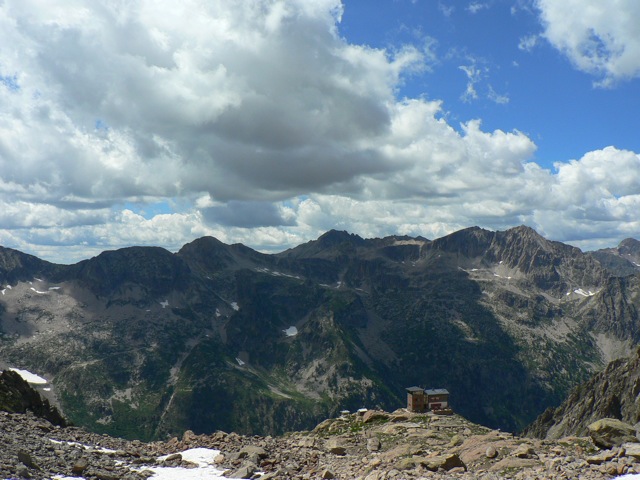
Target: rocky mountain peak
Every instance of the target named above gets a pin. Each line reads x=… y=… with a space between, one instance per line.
x=154 y=269
x=629 y=246
x=207 y=254
x=17 y=266
x=334 y=238
x=329 y=245
x=622 y=260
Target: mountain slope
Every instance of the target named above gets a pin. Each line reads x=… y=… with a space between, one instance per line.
x=144 y=343
x=611 y=393
x=17 y=396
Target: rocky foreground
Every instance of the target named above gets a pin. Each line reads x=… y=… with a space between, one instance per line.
x=369 y=445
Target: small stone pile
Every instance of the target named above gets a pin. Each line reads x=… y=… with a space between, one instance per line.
x=367 y=445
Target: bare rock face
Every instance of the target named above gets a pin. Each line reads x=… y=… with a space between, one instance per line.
x=17 y=396
x=610 y=394
x=611 y=432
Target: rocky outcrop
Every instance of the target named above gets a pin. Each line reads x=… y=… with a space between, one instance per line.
x=611 y=393
x=17 y=396
x=611 y=432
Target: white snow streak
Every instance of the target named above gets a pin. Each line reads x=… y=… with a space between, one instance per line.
x=277 y=274
x=86 y=447
x=29 y=377
x=584 y=293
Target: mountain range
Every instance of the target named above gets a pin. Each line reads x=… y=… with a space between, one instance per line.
x=144 y=343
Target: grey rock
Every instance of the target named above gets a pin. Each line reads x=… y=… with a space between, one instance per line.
x=246 y=471
x=80 y=466
x=373 y=444
x=336 y=446
x=23 y=471
x=611 y=432
x=26 y=459
x=491 y=452
x=632 y=450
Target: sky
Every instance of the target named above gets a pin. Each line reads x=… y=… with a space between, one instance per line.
x=269 y=122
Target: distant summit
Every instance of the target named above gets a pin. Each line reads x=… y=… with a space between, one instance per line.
x=622 y=260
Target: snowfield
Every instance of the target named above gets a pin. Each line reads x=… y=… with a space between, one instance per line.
x=203 y=457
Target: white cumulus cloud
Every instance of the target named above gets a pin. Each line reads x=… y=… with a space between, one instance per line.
x=601 y=38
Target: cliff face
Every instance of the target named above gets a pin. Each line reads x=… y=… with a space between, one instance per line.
x=142 y=343
x=611 y=393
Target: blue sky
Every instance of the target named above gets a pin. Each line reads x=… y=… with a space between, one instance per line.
x=535 y=90
x=154 y=122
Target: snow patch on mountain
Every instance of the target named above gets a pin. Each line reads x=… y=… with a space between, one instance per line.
x=30 y=377
x=584 y=293
x=292 y=331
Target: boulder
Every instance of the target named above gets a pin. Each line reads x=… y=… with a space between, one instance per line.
x=398 y=417
x=324 y=425
x=253 y=453
x=80 y=466
x=524 y=451
x=513 y=463
x=373 y=444
x=371 y=415
x=250 y=450
x=246 y=471
x=601 y=457
x=336 y=446
x=408 y=463
x=446 y=462
x=306 y=442
x=611 y=432
x=491 y=452
x=25 y=458
x=632 y=450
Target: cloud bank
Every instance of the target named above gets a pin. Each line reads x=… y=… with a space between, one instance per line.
x=157 y=122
